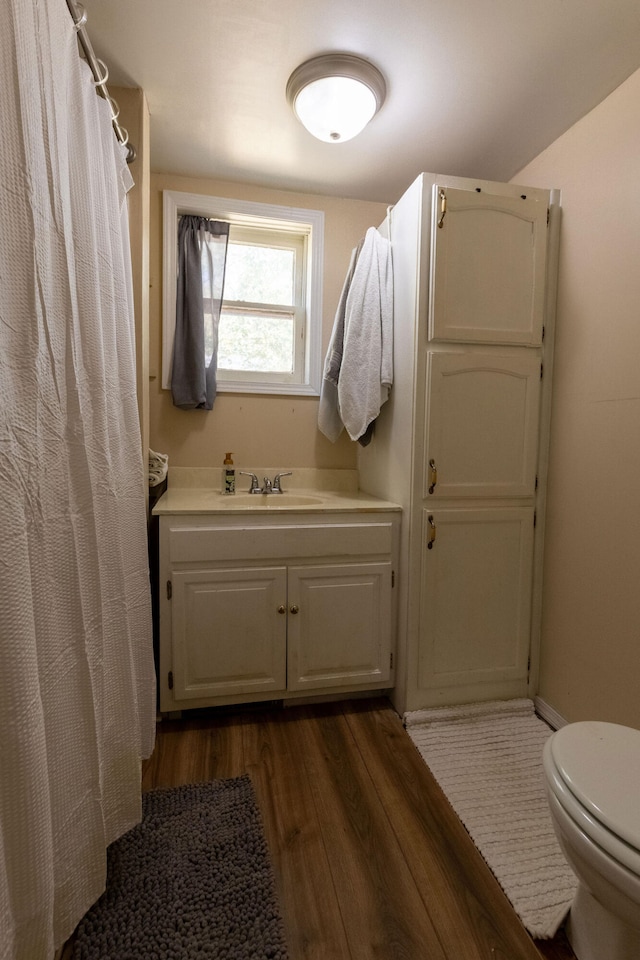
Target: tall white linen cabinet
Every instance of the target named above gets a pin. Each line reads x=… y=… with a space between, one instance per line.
x=462 y=442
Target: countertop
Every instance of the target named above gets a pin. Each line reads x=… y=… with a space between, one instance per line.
x=194 y=500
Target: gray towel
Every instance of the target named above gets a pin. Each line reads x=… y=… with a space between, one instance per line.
x=329 y=421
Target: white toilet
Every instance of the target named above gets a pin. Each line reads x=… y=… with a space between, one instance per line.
x=592 y=773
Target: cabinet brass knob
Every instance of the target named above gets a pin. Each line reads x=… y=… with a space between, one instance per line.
x=433 y=476
x=282 y=608
x=293 y=608
x=443 y=208
x=431 y=536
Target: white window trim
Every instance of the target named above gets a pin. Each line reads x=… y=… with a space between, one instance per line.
x=254 y=214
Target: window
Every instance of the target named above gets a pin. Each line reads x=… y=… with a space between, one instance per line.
x=270 y=325
x=262 y=324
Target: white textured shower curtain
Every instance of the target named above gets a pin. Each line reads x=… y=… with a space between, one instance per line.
x=77 y=700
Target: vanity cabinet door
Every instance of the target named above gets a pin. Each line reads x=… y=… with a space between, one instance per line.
x=229 y=632
x=488 y=267
x=339 y=625
x=475 y=603
x=481 y=424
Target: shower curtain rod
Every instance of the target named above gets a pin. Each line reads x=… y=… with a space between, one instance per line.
x=100 y=74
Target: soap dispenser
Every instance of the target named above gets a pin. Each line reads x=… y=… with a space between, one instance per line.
x=228 y=475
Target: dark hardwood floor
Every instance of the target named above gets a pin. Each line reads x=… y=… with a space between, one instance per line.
x=370 y=860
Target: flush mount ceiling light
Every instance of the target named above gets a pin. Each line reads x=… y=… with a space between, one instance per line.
x=336 y=95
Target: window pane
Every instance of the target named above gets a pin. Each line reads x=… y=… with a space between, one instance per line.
x=257 y=274
x=250 y=342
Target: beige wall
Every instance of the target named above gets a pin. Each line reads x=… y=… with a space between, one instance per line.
x=590 y=665
x=267 y=430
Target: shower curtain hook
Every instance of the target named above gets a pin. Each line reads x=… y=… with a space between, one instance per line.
x=82 y=18
x=123 y=135
x=103 y=79
x=115 y=109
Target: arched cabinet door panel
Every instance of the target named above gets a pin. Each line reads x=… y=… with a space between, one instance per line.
x=488 y=267
x=481 y=425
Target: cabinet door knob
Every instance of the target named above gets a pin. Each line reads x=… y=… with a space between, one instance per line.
x=282 y=608
x=294 y=608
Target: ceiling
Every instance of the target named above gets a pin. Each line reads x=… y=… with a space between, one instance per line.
x=475 y=88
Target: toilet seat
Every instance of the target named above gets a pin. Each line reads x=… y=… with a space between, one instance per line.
x=593 y=768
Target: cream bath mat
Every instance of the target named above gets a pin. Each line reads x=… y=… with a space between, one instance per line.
x=487 y=757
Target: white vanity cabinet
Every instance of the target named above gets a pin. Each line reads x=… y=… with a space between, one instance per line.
x=257 y=607
x=474 y=305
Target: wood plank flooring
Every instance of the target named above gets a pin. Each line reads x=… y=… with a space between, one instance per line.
x=370 y=861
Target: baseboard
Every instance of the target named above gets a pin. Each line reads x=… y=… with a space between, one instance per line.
x=549 y=714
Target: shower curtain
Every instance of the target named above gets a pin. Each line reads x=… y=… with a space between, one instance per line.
x=77 y=698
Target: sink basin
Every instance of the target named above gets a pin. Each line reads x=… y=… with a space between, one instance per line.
x=273 y=501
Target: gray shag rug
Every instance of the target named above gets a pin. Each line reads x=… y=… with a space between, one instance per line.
x=192 y=881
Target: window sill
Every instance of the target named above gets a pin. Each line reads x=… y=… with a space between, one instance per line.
x=284 y=389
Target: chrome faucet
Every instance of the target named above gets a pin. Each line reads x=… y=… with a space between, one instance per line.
x=275 y=487
x=255 y=486
x=276 y=483
x=269 y=486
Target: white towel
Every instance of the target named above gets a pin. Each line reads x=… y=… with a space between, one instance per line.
x=158 y=467
x=366 y=372
x=329 y=421
x=363 y=329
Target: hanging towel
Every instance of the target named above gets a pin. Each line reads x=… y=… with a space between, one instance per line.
x=366 y=372
x=358 y=369
x=329 y=421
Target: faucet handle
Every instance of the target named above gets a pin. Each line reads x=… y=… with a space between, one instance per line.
x=276 y=482
x=255 y=486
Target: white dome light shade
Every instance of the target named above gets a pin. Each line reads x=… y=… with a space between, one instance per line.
x=335 y=96
x=335 y=109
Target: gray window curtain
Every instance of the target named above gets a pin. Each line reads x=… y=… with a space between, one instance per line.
x=202 y=254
